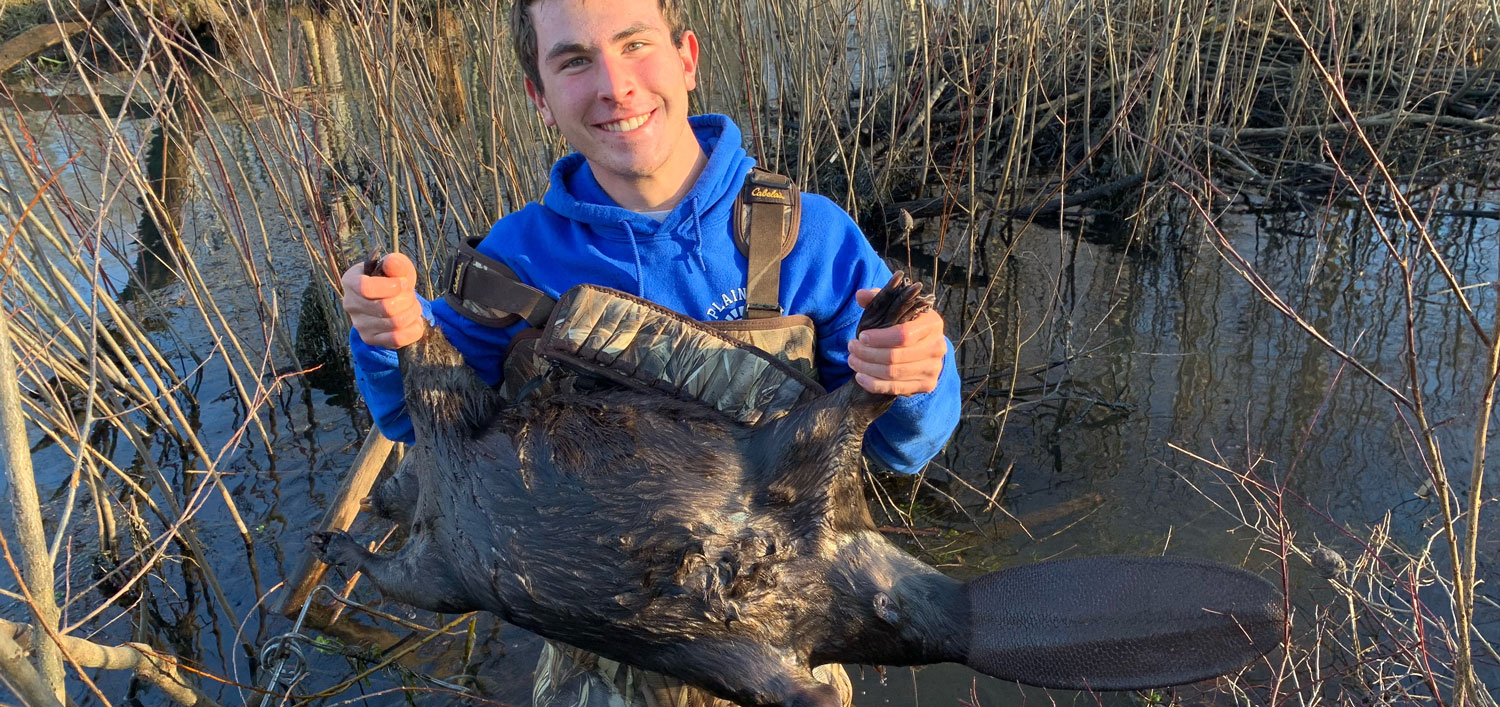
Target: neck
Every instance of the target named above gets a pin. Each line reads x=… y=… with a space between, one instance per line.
x=664 y=188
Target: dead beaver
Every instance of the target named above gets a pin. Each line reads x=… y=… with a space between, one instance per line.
x=655 y=532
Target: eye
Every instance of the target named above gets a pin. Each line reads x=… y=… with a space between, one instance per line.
x=573 y=63
x=634 y=45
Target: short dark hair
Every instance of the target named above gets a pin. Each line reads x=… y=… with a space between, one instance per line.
x=523 y=33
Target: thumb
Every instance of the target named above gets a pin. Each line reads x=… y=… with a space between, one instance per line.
x=863 y=297
x=400 y=267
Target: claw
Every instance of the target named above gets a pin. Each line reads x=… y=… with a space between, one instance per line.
x=334 y=547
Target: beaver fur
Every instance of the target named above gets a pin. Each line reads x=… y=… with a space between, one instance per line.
x=655 y=532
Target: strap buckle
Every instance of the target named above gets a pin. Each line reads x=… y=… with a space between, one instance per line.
x=768 y=188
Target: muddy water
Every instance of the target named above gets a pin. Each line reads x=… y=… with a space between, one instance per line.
x=1112 y=392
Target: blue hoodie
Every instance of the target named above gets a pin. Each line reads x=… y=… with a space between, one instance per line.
x=689 y=263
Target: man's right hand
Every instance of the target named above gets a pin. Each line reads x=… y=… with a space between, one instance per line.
x=385 y=310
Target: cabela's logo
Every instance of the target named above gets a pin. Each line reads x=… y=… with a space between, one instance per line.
x=768 y=193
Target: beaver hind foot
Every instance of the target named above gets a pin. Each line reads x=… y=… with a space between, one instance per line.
x=900 y=301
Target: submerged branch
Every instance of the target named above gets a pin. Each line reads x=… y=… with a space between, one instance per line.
x=927 y=208
x=17 y=674
x=156 y=668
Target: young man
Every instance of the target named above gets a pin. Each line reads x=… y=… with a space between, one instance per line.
x=644 y=206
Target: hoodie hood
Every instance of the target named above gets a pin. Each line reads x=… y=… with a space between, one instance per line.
x=575 y=194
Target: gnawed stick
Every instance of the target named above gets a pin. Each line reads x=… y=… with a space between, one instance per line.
x=43 y=36
x=18 y=674
x=341 y=513
x=157 y=668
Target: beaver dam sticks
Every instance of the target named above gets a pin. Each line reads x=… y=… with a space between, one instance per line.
x=660 y=533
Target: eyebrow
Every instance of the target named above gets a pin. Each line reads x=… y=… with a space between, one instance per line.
x=562 y=48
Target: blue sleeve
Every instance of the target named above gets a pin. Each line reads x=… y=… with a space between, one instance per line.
x=379 y=378
x=917 y=427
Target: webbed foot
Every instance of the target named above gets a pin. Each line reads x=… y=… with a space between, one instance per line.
x=900 y=301
x=382 y=506
x=413 y=576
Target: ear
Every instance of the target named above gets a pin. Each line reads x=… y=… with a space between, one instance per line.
x=540 y=101
x=688 y=51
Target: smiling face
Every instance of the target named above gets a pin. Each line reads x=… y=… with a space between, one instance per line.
x=617 y=88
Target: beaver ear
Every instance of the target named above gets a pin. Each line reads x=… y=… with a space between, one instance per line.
x=444 y=395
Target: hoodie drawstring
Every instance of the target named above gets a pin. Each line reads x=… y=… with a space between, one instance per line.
x=698 y=239
x=635 y=249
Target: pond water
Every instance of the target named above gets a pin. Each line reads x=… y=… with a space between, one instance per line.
x=1095 y=374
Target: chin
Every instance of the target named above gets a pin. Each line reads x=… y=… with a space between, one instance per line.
x=636 y=169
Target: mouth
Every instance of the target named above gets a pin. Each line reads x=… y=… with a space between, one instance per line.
x=625 y=125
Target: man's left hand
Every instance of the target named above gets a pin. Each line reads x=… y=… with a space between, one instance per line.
x=901 y=360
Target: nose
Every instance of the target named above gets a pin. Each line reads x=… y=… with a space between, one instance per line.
x=616 y=80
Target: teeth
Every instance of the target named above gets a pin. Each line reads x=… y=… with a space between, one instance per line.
x=626 y=125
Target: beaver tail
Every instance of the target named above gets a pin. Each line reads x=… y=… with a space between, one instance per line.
x=1119 y=623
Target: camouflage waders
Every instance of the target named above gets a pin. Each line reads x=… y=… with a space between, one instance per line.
x=633 y=342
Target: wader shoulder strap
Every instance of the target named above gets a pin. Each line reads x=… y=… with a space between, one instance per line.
x=767 y=214
x=485 y=290
x=766 y=217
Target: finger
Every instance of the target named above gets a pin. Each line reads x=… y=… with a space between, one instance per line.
x=880 y=387
x=933 y=348
x=407 y=320
x=387 y=315
x=350 y=279
x=863 y=297
x=373 y=334
x=401 y=305
x=407 y=335
x=393 y=338
x=399 y=267
x=899 y=372
x=912 y=333
x=357 y=306
x=379 y=288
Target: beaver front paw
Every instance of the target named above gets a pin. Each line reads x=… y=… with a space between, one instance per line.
x=336 y=548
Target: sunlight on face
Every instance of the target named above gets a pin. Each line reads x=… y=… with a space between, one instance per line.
x=616 y=87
